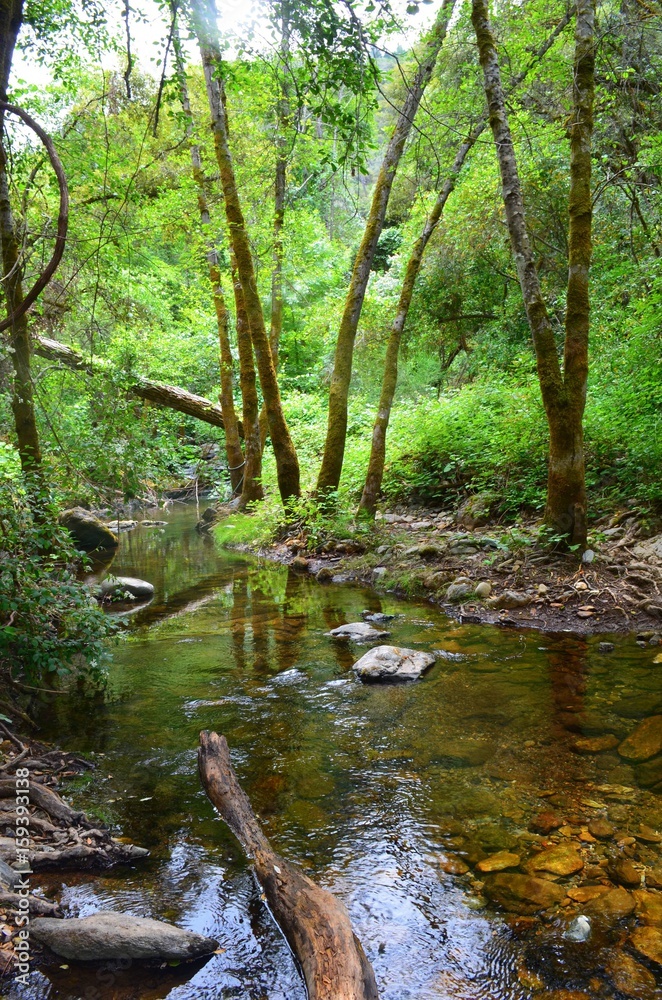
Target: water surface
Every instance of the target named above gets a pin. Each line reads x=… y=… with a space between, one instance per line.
x=365 y=786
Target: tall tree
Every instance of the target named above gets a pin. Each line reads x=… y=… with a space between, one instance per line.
x=334 y=447
x=287 y=465
x=251 y=488
x=375 y=473
x=280 y=188
x=234 y=453
x=563 y=388
x=11 y=18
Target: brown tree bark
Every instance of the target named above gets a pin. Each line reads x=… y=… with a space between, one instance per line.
x=375 y=473
x=234 y=454
x=169 y=396
x=287 y=465
x=315 y=923
x=251 y=489
x=27 y=435
x=563 y=390
x=334 y=447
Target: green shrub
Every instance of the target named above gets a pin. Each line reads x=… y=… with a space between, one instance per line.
x=49 y=624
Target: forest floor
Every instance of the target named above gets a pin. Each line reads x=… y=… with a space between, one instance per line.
x=497 y=574
x=61 y=838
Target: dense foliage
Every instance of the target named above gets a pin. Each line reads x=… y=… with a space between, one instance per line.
x=51 y=627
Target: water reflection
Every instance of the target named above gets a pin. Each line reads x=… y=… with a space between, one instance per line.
x=366 y=786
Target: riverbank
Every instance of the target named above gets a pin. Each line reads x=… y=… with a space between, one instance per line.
x=42 y=835
x=492 y=574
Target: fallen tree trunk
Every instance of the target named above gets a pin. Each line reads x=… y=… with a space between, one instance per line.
x=169 y=396
x=315 y=923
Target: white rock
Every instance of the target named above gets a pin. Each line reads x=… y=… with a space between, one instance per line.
x=393 y=663
x=357 y=632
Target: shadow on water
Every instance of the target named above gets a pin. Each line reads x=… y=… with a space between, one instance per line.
x=369 y=787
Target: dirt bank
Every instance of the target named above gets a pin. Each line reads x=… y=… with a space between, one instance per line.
x=498 y=574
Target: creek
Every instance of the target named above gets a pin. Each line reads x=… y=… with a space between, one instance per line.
x=369 y=787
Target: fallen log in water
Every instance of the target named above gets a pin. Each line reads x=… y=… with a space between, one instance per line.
x=315 y=923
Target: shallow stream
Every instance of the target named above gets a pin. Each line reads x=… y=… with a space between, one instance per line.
x=368 y=787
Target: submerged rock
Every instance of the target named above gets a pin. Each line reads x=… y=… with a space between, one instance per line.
x=464 y=752
x=645 y=742
x=649 y=775
x=560 y=860
x=649 y=907
x=125 y=588
x=126 y=525
x=630 y=977
x=499 y=862
x=522 y=893
x=107 y=935
x=452 y=865
x=154 y=524
x=393 y=663
x=357 y=632
x=595 y=744
x=648 y=942
x=87 y=530
x=611 y=906
x=601 y=828
x=623 y=872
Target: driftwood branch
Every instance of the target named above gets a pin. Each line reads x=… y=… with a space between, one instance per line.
x=62 y=219
x=169 y=396
x=315 y=923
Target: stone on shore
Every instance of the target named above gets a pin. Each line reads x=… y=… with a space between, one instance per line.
x=9 y=877
x=108 y=935
x=393 y=663
x=87 y=531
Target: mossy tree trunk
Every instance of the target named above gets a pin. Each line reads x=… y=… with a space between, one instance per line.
x=375 y=473
x=27 y=435
x=287 y=465
x=563 y=388
x=251 y=489
x=334 y=448
x=233 y=451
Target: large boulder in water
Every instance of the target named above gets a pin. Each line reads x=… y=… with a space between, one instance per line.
x=87 y=531
x=393 y=663
x=108 y=935
x=124 y=588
